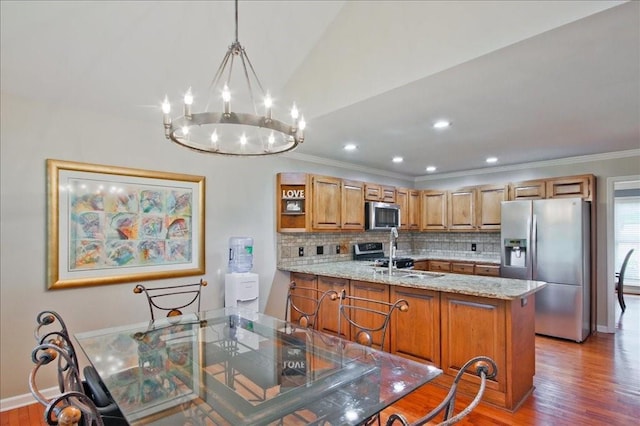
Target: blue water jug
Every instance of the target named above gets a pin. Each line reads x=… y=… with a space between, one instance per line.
x=240 y=254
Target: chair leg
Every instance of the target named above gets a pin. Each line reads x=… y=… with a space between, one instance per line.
x=621 y=299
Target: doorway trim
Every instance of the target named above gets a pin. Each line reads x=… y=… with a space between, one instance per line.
x=611 y=286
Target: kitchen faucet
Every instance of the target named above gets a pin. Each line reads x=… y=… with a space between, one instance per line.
x=392 y=237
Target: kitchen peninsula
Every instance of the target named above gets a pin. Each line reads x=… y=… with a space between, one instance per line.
x=451 y=318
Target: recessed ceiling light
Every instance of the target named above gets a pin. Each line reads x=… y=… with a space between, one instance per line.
x=492 y=160
x=441 y=124
x=350 y=147
x=431 y=169
x=397 y=159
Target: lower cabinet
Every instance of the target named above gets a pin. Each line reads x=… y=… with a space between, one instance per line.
x=371 y=291
x=328 y=315
x=415 y=334
x=448 y=329
x=305 y=281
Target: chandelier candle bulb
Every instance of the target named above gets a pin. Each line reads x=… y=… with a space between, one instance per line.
x=268 y=103
x=188 y=101
x=226 y=100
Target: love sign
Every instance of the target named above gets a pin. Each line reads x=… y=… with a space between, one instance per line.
x=292 y=193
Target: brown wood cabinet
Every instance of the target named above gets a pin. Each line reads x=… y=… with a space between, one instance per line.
x=500 y=329
x=352 y=205
x=489 y=205
x=562 y=187
x=461 y=209
x=372 y=291
x=462 y=268
x=439 y=266
x=573 y=186
x=415 y=334
x=292 y=202
x=326 y=208
x=409 y=202
x=302 y=280
x=489 y=270
x=433 y=209
x=377 y=192
x=328 y=314
x=421 y=265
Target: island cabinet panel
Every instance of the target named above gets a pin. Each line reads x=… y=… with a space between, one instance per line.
x=352 y=205
x=461 y=207
x=303 y=281
x=415 y=334
x=326 y=193
x=328 y=314
x=473 y=326
x=374 y=291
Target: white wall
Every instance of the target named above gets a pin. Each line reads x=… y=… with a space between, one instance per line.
x=240 y=197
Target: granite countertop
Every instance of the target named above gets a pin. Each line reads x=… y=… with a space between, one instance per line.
x=473 y=285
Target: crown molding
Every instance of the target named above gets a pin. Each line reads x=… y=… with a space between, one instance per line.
x=344 y=165
x=524 y=166
x=488 y=170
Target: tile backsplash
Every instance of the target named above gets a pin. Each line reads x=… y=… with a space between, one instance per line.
x=435 y=244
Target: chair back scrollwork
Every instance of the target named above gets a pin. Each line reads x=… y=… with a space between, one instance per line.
x=172 y=299
x=304 y=303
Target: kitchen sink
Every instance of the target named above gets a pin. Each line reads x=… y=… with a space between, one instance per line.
x=399 y=273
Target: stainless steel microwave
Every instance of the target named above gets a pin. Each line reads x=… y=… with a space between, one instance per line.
x=379 y=216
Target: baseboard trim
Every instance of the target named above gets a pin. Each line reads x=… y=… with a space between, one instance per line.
x=26 y=399
x=605 y=329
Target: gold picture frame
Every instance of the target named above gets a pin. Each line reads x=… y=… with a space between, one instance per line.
x=108 y=225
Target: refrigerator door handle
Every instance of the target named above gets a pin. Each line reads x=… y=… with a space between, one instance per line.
x=534 y=248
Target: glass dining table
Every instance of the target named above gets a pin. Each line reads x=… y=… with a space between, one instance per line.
x=235 y=367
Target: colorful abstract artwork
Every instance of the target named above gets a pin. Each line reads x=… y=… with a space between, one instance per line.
x=111 y=220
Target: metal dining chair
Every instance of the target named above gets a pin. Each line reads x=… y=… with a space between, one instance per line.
x=620 y=280
x=483 y=367
x=368 y=318
x=87 y=399
x=303 y=304
x=172 y=299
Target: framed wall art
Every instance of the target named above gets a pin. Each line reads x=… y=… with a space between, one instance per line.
x=111 y=225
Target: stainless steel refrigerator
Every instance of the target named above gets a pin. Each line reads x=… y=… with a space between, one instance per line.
x=549 y=240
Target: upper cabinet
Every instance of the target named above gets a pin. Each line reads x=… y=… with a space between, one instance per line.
x=312 y=203
x=488 y=205
x=292 y=202
x=409 y=201
x=352 y=205
x=382 y=193
x=433 y=209
x=326 y=193
x=461 y=206
x=570 y=186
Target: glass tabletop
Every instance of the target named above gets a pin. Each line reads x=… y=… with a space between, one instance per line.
x=230 y=366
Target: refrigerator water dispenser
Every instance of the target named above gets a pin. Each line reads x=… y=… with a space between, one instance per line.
x=515 y=252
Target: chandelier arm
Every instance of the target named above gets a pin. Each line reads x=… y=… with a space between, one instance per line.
x=216 y=78
x=246 y=76
x=233 y=57
x=253 y=71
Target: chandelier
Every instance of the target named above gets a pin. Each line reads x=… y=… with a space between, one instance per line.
x=227 y=131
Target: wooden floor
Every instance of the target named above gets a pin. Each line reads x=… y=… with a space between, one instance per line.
x=593 y=383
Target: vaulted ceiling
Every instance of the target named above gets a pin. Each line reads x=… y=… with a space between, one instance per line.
x=522 y=81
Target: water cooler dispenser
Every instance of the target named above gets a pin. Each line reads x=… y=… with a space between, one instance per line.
x=241 y=290
x=240 y=285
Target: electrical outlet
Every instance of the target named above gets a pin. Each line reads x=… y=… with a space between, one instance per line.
x=338 y=249
x=473 y=246
x=319 y=249
x=300 y=251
